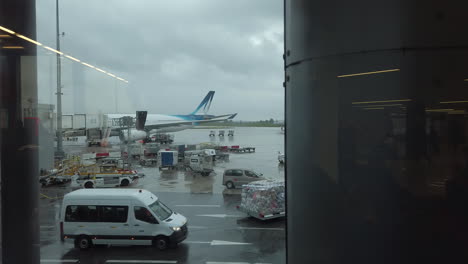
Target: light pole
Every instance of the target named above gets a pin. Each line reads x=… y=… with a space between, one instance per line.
x=116 y=96
x=59 y=152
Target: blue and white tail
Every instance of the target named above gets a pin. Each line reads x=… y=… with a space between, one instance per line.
x=205 y=104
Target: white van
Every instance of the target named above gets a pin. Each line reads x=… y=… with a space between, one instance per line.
x=119 y=217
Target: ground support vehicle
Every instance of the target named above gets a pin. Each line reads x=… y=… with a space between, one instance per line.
x=200 y=161
x=235 y=178
x=110 y=172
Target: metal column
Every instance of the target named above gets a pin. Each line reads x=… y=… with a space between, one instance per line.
x=19 y=138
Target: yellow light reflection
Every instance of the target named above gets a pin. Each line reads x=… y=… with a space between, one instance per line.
x=7 y=30
x=457 y=112
x=28 y=39
x=103 y=71
x=72 y=58
x=89 y=65
x=13 y=47
x=453 y=102
x=51 y=49
x=386 y=105
x=439 y=110
x=385 y=101
x=367 y=73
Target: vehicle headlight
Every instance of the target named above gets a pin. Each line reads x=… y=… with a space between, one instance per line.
x=175 y=228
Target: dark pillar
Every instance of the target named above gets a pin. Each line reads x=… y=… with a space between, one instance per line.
x=357 y=189
x=18 y=138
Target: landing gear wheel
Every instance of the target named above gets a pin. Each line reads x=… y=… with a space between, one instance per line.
x=83 y=243
x=230 y=185
x=161 y=243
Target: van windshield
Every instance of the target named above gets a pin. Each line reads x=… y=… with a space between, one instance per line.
x=161 y=210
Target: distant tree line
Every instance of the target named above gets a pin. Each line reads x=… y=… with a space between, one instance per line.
x=232 y=123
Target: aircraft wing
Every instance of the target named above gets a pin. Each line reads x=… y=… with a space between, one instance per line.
x=190 y=122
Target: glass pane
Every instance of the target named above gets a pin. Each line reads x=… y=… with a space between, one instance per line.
x=144 y=215
x=113 y=214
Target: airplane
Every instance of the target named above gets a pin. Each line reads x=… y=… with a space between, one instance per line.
x=149 y=124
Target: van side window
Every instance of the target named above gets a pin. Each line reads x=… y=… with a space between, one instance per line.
x=250 y=174
x=143 y=214
x=113 y=214
x=237 y=173
x=81 y=213
x=229 y=173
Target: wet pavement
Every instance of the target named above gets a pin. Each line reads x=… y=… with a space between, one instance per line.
x=218 y=232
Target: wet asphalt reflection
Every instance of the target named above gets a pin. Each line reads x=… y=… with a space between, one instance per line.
x=218 y=232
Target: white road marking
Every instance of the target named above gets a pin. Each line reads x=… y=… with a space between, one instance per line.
x=218 y=243
x=59 y=260
x=198 y=205
x=243 y=228
x=227 y=243
x=196 y=242
x=221 y=215
x=141 y=261
x=197 y=227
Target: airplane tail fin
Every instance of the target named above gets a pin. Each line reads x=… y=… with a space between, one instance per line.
x=205 y=103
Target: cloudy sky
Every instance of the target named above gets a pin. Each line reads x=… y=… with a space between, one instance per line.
x=171 y=52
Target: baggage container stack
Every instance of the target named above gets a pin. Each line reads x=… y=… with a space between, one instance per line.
x=263 y=199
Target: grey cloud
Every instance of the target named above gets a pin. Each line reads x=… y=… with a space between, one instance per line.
x=175 y=51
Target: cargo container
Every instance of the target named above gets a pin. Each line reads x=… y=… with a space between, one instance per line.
x=263 y=199
x=200 y=161
x=167 y=159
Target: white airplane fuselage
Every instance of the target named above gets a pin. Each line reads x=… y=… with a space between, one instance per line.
x=154 y=119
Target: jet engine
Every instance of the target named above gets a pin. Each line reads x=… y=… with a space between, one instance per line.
x=134 y=135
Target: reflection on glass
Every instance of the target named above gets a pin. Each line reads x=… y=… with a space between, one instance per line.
x=161 y=210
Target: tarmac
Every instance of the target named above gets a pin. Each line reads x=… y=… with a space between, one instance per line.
x=218 y=232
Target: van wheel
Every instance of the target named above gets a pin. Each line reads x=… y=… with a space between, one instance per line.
x=124 y=182
x=89 y=185
x=230 y=185
x=83 y=242
x=161 y=243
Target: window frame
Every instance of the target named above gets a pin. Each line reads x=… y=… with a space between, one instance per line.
x=101 y=213
x=81 y=220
